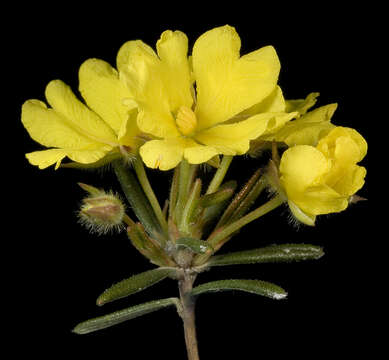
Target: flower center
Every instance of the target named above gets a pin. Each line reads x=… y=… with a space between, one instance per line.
x=186 y=121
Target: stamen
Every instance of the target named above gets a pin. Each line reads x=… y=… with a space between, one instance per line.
x=186 y=120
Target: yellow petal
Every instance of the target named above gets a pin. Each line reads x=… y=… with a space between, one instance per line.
x=233 y=139
x=45 y=158
x=302 y=166
x=302 y=105
x=351 y=180
x=172 y=49
x=129 y=132
x=227 y=84
x=51 y=129
x=163 y=154
x=308 y=129
x=198 y=154
x=104 y=92
x=144 y=75
x=338 y=136
x=322 y=199
x=79 y=117
x=275 y=102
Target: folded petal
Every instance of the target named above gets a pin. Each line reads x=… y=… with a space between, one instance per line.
x=301 y=167
x=50 y=128
x=233 y=139
x=144 y=75
x=274 y=102
x=342 y=143
x=46 y=158
x=321 y=199
x=308 y=129
x=104 y=92
x=302 y=105
x=227 y=84
x=77 y=115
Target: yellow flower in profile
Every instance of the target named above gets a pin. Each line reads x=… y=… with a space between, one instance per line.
x=85 y=134
x=198 y=121
x=320 y=180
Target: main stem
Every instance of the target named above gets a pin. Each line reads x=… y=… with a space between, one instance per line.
x=188 y=316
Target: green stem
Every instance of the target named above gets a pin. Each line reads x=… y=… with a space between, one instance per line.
x=184 y=178
x=219 y=174
x=188 y=316
x=251 y=216
x=223 y=233
x=190 y=207
x=148 y=190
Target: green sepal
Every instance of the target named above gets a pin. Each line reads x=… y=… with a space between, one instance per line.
x=213 y=211
x=133 y=285
x=136 y=197
x=269 y=254
x=258 y=287
x=195 y=245
x=120 y=316
x=216 y=197
x=90 y=189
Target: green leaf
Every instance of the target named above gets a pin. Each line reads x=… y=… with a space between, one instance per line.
x=269 y=254
x=133 y=285
x=252 y=286
x=196 y=245
x=120 y=316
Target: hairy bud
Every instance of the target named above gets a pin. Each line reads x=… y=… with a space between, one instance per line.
x=102 y=212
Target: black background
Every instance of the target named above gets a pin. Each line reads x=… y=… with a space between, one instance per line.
x=58 y=269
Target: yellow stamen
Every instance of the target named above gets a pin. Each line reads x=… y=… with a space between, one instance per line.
x=186 y=120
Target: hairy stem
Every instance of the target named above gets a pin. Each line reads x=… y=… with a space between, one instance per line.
x=188 y=316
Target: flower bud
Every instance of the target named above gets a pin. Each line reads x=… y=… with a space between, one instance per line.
x=102 y=212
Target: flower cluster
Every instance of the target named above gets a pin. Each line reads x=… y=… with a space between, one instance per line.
x=167 y=106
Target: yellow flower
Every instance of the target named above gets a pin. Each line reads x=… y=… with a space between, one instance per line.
x=321 y=180
x=190 y=121
x=70 y=128
x=309 y=127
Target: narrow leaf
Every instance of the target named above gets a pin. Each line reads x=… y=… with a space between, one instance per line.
x=258 y=287
x=133 y=285
x=238 y=198
x=269 y=254
x=120 y=316
x=196 y=245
